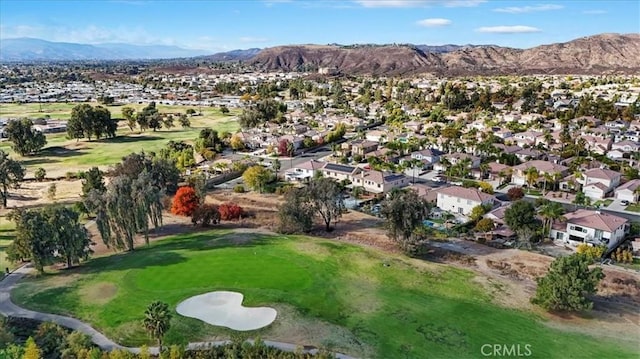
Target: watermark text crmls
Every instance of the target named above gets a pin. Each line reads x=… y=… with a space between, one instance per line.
x=506 y=350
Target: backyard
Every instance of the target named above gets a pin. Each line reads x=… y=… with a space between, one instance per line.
x=351 y=299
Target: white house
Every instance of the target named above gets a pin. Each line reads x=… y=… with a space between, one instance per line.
x=629 y=191
x=594 y=227
x=462 y=200
x=303 y=171
x=598 y=182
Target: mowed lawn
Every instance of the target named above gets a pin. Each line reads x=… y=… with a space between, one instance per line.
x=404 y=309
x=62 y=155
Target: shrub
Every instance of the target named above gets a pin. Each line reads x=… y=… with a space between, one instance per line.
x=40 y=174
x=70 y=176
x=185 y=201
x=230 y=211
x=239 y=189
x=206 y=215
x=592 y=252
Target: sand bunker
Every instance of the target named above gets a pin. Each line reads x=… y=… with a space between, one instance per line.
x=225 y=309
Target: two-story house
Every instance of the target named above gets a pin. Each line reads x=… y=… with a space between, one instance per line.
x=362 y=147
x=379 y=182
x=629 y=191
x=455 y=158
x=304 y=171
x=462 y=200
x=593 y=227
x=428 y=156
x=519 y=175
x=597 y=183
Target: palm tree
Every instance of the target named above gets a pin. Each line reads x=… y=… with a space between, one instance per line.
x=548 y=178
x=484 y=169
x=157 y=321
x=276 y=167
x=532 y=177
x=551 y=212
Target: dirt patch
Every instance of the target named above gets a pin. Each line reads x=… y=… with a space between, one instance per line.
x=171 y=225
x=98 y=293
x=32 y=194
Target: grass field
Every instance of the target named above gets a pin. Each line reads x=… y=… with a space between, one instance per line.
x=408 y=309
x=62 y=155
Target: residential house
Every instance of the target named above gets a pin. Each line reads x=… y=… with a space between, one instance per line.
x=340 y=172
x=626 y=146
x=428 y=156
x=377 y=136
x=629 y=191
x=597 y=183
x=455 y=158
x=530 y=138
x=462 y=200
x=527 y=154
x=379 y=182
x=593 y=227
x=519 y=176
x=362 y=147
x=615 y=154
x=304 y=171
x=413 y=126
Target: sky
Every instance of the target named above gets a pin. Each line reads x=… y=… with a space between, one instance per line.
x=224 y=25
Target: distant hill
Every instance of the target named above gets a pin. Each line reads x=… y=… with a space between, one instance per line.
x=234 y=55
x=29 y=49
x=599 y=54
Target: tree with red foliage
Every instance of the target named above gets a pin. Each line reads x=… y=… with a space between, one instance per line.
x=230 y=211
x=515 y=193
x=185 y=201
x=285 y=148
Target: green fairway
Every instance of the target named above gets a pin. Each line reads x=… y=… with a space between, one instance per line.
x=62 y=155
x=408 y=308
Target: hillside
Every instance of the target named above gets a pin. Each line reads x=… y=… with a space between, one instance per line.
x=606 y=53
x=29 y=49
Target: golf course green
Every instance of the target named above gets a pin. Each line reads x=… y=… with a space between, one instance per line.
x=347 y=298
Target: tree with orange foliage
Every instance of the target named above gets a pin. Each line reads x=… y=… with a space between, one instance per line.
x=185 y=201
x=230 y=211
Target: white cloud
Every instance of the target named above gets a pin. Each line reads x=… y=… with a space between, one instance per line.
x=528 y=9
x=418 y=3
x=251 y=39
x=516 y=29
x=434 y=22
x=594 y=12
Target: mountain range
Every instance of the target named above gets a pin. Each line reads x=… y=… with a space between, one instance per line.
x=29 y=49
x=598 y=54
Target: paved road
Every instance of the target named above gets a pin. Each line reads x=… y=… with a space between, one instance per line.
x=8 y=308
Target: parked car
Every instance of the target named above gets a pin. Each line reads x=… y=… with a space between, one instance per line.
x=624 y=202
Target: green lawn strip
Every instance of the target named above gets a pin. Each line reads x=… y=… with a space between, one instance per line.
x=406 y=308
x=633 y=208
